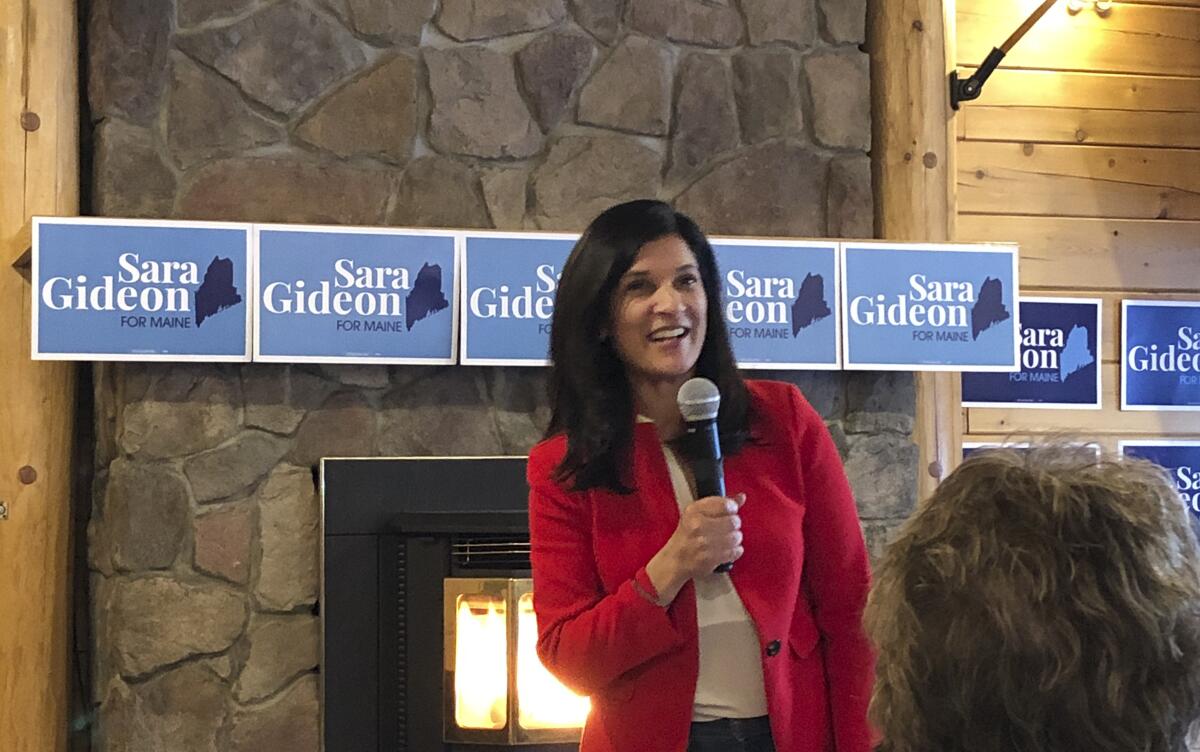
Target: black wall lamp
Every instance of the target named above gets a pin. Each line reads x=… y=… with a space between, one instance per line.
x=966 y=89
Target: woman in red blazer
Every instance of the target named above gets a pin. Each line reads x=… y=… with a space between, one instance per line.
x=769 y=657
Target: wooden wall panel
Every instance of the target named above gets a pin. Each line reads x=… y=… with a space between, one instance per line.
x=1134 y=38
x=1078 y=181
x=1095 y=254
x=1057 y=125
x=1176 y=3
x=1082 y=90
x=1085 y=150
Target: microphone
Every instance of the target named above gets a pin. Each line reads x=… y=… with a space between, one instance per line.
x=699 y=402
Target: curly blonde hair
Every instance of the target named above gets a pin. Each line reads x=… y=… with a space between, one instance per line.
x=1041 y=600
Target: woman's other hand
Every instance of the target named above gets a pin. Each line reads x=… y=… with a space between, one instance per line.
x=709 y=533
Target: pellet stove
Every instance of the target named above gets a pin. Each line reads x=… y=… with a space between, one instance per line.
x=427 y=611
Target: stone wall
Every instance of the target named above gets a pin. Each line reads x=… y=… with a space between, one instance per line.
x=751 y=115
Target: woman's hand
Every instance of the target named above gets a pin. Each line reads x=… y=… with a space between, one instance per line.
x=709 y=533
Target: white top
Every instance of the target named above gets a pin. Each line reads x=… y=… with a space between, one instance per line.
x=731 y=678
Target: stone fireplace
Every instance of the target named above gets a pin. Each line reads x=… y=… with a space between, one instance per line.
x=204 y=536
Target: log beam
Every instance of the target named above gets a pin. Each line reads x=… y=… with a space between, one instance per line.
x=39 y=174
x=912 y=164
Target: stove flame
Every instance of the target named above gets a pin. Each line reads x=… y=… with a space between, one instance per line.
x=544 y=702
x=480 y=665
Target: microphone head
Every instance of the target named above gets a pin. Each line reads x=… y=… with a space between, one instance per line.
x=698 y=400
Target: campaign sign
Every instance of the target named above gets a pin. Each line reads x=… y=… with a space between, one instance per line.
x=124 y=289
x=970 y=448
x=1181 y=460
x=509 y=283
x=910 y=307
x=780 y=302
x=354 y=295
x=1160 y=369
x=1059 y=363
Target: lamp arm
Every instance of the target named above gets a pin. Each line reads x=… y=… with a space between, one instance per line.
x=966 y=89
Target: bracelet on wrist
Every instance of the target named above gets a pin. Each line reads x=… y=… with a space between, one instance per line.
x=645 y=588
x=641 y=591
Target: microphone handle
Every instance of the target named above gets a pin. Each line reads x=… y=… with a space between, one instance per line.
x=710 y=478
x=710 y=481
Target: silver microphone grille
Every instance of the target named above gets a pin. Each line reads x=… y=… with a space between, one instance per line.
x=698 y=399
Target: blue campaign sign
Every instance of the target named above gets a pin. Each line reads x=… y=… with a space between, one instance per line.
x=1059 y=363
x=124 y=289
x=909 y=307
x=970 y=448
x=1181 y=459
x=509 y=283
x=354 y=295
x=973 y=447
x=1160 y=341
x=780 y=302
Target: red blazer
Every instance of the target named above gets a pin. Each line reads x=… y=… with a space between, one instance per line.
x=803 y=578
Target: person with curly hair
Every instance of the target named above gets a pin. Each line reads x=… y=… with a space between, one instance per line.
x=1041 y=600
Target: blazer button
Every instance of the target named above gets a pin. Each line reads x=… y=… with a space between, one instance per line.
x=773 y=648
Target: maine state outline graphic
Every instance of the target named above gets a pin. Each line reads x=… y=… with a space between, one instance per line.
x=217 y=291
x=989 y=310
x=426 y=297
x=810 y=306
x=1075 y=354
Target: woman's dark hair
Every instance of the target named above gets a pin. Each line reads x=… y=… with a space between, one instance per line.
x=590 y=396
x=1041 y=600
